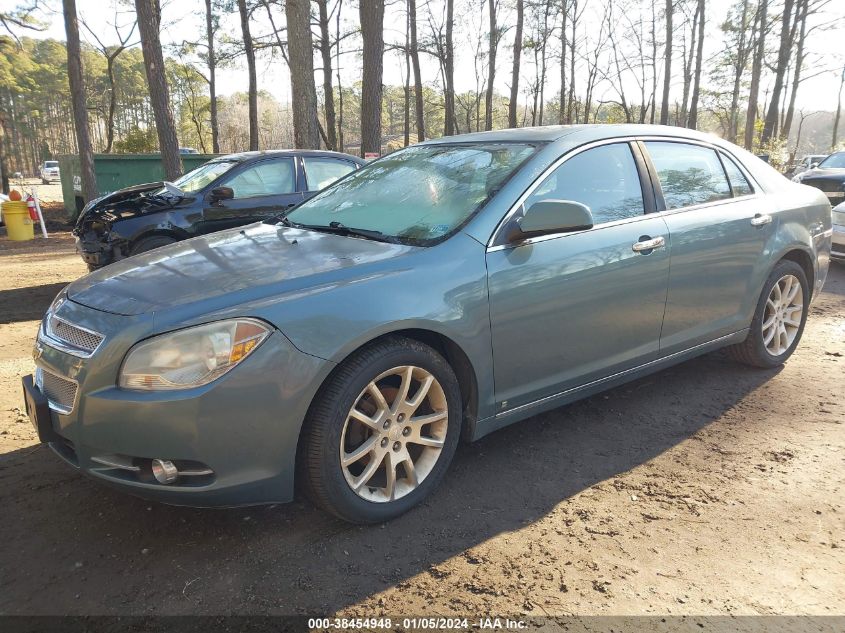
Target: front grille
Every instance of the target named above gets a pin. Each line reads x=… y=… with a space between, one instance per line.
x=60 y=391
x=84 y=340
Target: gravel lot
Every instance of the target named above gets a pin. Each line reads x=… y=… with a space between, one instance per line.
x=709 y=488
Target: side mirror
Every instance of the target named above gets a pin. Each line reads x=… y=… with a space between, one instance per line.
x=221 y=193
x=551 y=216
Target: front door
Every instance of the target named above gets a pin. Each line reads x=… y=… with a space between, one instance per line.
x=262 y=190
x=569 y=309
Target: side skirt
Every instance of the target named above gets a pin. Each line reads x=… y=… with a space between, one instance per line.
x=505 y=418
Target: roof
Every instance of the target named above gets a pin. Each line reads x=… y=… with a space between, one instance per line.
x=243 y=156
x=585 y=133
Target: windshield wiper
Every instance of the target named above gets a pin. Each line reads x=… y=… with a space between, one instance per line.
x=341 y=229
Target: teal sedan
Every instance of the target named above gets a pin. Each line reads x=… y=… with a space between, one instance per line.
x=441 y=292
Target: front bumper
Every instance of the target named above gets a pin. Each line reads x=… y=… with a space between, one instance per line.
x=94 y=252
x=244 y=427
x=837 y=250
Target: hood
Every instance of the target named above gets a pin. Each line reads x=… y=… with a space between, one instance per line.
x=836 y=175
x=243 y=264
x=129 y=202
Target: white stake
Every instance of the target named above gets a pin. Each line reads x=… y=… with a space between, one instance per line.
x=40 y=215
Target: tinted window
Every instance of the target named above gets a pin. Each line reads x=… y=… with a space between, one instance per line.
x=834 y=161
x=268 y=178
x=321 y=172
x=689 y=174
x=739 y=183
x=604 y=178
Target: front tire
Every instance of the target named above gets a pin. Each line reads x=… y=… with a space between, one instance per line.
x=381 y=433
x=778 y=320
x=149 y=243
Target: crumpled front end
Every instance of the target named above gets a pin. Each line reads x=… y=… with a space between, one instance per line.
x=97 y=244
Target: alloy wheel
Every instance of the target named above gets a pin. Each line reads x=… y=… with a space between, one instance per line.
x=394 y=434
x=782 y=316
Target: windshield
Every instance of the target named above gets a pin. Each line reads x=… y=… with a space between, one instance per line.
x=419 y=194
x=195 y=180
x=834 y=161
x=51 y=163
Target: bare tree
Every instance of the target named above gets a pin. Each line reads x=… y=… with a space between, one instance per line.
x=692 y=121
x=415 y=62
x=835 y=138
x=449 y=71
x=761 y=27
x=212 y=75
x=301 y=60
x=328 y=88
x=111 y=53
x=784 y=50
x=249 y=51
x=491 y=61
x=372 y=19
x=667 y=69
x=77 y=91
x=517 y=53
x=149 y=23
x=740 y=65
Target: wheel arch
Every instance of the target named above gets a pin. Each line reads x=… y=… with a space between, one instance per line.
x=803 y=259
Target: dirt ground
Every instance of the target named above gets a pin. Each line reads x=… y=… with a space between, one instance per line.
x=709 y=488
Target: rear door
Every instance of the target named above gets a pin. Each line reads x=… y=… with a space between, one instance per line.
x=322 y=171
x=570 y=308
x=719 y=229
x=262 y=189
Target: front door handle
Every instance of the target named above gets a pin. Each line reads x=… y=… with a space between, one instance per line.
x=761 y=219
x=648 y=245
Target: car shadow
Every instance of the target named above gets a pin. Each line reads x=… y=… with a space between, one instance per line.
x=76 y=547
x=27 y=304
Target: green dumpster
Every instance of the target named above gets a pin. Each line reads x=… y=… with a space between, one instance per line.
x=116 y=171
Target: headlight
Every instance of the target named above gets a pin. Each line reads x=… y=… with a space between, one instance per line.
x=191 y=357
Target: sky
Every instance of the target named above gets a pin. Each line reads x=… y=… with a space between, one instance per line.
x=184 y=19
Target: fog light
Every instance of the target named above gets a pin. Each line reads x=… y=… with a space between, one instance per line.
x=164 y=471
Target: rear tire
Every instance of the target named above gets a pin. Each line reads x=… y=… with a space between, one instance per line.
x=150 y=243
x=778 y=320
x=364 y=425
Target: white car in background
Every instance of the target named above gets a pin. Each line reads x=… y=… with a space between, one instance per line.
x=838 y=248
x=50 y=172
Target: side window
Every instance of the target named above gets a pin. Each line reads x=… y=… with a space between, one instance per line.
x=604 y=178
x=267 y=178
x=689 y=174
x=739 y=183
x=321 y=172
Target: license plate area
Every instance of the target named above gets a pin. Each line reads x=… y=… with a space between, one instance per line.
x=38 y=410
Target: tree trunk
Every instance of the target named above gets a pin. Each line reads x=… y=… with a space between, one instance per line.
x=517 y=53
x=212 y=79
x=149 y=17
x=801 y=15
x=112 y=103
x=328 y=88
x=739 y=71
x=667 y=71
x=339 y=85
x=415 y=62
x=756 y=71
x=306 y=135
x=770 y=125
x=77 y=92
x=561 y=116
x=835 y=136
x=491 y=75
x=449 y=71
x=692 y=122
x=249 y=50
x=372 y=19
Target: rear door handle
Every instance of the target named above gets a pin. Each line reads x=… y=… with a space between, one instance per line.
x=761 y=219
x=649 y=245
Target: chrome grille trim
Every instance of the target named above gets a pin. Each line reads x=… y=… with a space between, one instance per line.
x=71 y=338
x=60 y=391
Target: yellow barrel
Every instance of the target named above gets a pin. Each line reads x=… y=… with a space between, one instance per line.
x=19 y=225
